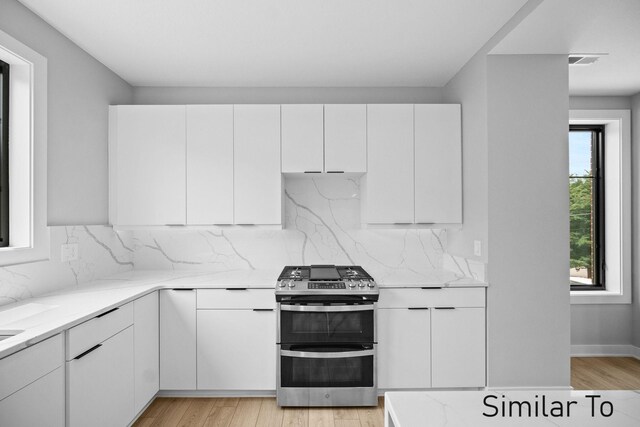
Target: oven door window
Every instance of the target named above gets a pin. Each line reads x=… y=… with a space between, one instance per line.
x=326 y=368
x=326 y=326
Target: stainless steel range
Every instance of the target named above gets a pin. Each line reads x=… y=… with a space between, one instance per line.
x=326 y=336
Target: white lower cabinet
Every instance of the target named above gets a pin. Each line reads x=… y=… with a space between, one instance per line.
x=431 y=338
x=404 y=348
x=100 y=384
x=458 y=347
x=236 y=349
x=32 y=386
x=178 y=339
x=146 y=331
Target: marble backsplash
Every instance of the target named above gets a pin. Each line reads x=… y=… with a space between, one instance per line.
x=101 y=252
x=322 y=225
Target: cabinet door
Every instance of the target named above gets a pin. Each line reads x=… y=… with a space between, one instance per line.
x=389 y=179
x=146 y=330
x=404 y=353
x=148 y=161
x=209 y=164
x=177 y=339
x=236 y=350
x=41 y=403
x=257 y=177
x=100 y=384
x=458 y=347
x=438 y=163
x=302 y=138
x=345 y=138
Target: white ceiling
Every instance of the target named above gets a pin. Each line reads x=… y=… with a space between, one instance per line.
x=280 y=42
x=585 y=26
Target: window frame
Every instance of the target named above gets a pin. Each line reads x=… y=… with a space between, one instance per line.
x=598 y=174
x=617 y=204
x=5 y=77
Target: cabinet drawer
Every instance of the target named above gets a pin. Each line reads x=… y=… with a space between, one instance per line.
x=236 y=299
x=92 y=332
x=28 y=365
x=416 y=297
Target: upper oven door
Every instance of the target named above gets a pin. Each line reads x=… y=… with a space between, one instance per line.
x=327 y=324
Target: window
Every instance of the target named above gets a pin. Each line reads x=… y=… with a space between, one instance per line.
x=586 y=198
x=4 y=154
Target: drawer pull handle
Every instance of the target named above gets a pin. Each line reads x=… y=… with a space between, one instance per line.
x=445 y=308
x=107 y=312
x=81 y=355
x=312 y=171
x=335 y=171
x=263 y=309
x=431 y=287
x=236 y=289
x=182 y=289
x=418 y=308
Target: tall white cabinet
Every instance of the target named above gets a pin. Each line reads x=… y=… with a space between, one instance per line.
x=209 y=148
x=257 y=177
x=438 y=163
x=345 y=138
x=147 y=164
x=302 y=138
x=146 y=343
x=389 y=178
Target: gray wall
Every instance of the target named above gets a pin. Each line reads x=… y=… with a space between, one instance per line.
x=528 y=300
x=604 y=324
x=79 y=90
x=292 y=95
x=635 y=158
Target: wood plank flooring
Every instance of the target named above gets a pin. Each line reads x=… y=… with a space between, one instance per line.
x=253 y=412
x=587 y=373
x=605 y=373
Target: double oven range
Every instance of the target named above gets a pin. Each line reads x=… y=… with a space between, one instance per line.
x=326 y=336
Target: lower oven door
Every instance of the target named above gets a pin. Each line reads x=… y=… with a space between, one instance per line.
x=327 y=375
x=326 y=323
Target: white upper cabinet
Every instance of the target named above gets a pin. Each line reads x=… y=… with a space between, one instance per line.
x=302 y=138
x=209 y=164
x=257 y=176
x=438 y=163
x=389 y=178
x=147 y=157
x=345 y=138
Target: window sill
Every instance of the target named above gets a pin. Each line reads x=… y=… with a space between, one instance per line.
x=16 y=255
x=599 y=297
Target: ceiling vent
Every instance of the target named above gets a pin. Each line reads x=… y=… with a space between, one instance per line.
x=584 y=58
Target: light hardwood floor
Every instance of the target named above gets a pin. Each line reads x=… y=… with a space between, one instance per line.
x=254 y=412
x=587 y=373
x=605 y=373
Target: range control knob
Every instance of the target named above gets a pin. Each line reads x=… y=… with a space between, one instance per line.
x=282 y=284
x=352 y=284
x=362 y=284
x=371 y=285
x=292 y=284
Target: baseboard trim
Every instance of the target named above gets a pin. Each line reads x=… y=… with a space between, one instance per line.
x=552 y=388
x=216 y=393
x=605 y=350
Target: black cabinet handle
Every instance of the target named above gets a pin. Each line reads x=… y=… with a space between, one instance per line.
x=312 y=171
x=236 y=289
x=263 y=309
x=81 y=355
x=431 y=287
x=445 y=308
x=182 y=289
x=335 y=171
x=418 y=308
x=107 y=312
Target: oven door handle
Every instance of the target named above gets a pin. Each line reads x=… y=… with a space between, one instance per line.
x=326 y=355
x=327 y=308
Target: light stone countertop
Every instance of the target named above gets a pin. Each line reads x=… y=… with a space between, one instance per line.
x=466 y=408
x=45 y=316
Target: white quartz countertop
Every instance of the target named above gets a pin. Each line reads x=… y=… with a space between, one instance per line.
x=548 y=408
x=42 y=317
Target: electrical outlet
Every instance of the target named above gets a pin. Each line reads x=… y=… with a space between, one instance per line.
x=477 y=248
x=69 y=252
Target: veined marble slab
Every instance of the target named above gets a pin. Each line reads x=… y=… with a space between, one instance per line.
x=529 y=408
